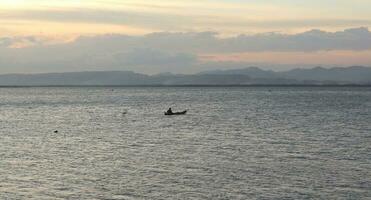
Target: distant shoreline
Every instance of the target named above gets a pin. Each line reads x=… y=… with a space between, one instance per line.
x=245 y=77
x=180 y=86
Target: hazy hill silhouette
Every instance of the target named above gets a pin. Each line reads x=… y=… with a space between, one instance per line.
x=246 y=76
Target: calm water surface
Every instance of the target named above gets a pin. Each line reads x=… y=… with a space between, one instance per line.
x=235 y=143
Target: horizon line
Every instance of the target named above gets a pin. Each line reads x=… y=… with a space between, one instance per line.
x=135 y=72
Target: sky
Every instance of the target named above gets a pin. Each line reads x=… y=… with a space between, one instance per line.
x=182 y=36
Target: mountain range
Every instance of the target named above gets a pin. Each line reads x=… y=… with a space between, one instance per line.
x=355 y=75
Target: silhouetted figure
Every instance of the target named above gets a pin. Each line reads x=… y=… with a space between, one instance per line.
x=169 y=112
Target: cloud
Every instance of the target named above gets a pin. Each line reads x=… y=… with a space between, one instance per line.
x=147 y=57
x=103 y=16
x=20 y=42
x=5 y=41
x=175 y=52
x=209 y=42
x=314 y=40
x=174 y=19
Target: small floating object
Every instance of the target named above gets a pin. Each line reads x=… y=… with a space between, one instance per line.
x=176 y=113
x=55 y=131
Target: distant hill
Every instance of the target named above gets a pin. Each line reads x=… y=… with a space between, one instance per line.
x=318 y=75
x=246 y=76
x=341 y=75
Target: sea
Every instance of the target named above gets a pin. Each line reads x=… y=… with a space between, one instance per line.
x=233 y=143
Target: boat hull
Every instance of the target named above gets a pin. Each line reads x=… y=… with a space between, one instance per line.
x=177 y=113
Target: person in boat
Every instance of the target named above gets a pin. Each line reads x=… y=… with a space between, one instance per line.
x=169 y=112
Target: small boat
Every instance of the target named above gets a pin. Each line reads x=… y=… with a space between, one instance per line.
x=176 y=113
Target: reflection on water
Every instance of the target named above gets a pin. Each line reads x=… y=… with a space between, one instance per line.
x=235 y=143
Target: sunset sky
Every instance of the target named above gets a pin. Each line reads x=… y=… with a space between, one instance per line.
x=338 y=29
